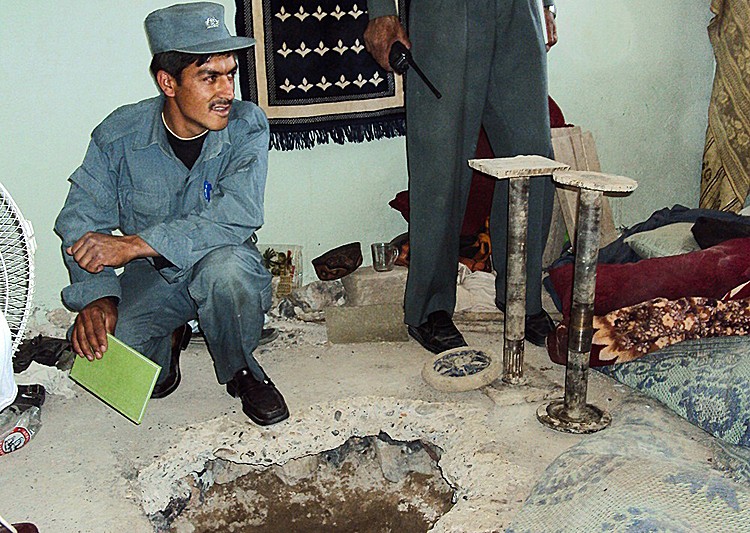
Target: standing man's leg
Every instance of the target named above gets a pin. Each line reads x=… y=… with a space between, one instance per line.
x=232 y=291
x=516 y=119
x=441 y=137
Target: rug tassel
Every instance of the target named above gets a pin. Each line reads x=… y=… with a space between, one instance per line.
x=297 y=140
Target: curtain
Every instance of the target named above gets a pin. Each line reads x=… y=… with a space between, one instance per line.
x=725 y=177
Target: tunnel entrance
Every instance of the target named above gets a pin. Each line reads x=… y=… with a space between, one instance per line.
x=369 y=484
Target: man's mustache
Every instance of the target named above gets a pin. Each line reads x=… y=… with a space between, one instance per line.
x=221 y=102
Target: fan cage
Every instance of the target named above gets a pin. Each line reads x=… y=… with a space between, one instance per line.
x=17 y=247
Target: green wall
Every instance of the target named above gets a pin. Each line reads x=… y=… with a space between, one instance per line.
x=635 y=72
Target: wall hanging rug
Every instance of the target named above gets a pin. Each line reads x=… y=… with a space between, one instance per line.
x=309 y=71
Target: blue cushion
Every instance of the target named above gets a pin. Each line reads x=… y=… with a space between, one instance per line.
x=706 y=381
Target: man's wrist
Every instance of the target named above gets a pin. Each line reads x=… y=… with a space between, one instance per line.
x=140 y=247
x=552 y=9
x=103 y=301
x=113 y=300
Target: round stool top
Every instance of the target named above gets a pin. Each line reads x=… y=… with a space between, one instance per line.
x=594 y=181
x=520 y=166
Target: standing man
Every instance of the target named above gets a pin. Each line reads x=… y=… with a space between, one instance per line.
x=488 y=57
x=182 y=177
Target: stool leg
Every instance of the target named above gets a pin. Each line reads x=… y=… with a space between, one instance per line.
x=573 y=414
x=515 y=297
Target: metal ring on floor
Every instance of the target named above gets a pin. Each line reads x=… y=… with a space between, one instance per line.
x=462 y=369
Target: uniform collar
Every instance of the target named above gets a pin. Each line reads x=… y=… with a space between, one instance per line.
x=155 y=133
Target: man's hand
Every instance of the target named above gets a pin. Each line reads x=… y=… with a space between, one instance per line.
x=380 y=34
x=94 y=251
x=549 y=20
x=89 y=338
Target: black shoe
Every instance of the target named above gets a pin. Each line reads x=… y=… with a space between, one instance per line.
x=438 y=333
x=268 y=335
x=180 y=340
x=261 y=400
x=30 y=395
x=536 y=327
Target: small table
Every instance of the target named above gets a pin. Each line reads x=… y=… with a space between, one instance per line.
x=573 y=414
x=518 y=171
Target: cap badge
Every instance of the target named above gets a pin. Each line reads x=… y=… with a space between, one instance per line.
x=212 y=22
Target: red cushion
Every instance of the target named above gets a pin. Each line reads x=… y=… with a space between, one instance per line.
x=711 y=272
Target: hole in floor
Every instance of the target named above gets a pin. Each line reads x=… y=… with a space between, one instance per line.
x=368 y=485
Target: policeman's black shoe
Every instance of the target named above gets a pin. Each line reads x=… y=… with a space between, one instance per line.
x=180 y=341
x=261 y=400
x=268 y=335
x=438 y=333
x=536 y=327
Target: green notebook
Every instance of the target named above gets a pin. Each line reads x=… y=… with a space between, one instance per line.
x=122 y=378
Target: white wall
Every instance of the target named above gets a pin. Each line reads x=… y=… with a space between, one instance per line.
x=638 y=74
x=635 y=72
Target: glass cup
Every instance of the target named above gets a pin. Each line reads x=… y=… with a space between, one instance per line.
x=384 y=256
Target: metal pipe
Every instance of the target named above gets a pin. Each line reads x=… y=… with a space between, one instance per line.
x=572 y=414
x=515 y=296
x=582 y=313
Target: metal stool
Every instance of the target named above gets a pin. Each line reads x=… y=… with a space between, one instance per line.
x=518 y=170
x=573 y=414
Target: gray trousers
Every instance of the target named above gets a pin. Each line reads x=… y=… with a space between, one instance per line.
x=488 y=58
x=228 y=291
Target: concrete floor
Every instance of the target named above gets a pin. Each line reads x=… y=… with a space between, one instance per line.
x=91 y=470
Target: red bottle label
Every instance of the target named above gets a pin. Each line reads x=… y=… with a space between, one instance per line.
x=14 y=440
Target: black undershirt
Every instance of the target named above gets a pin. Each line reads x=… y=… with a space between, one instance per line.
x=186 y=151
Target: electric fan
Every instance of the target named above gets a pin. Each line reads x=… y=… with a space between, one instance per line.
x=17 y=246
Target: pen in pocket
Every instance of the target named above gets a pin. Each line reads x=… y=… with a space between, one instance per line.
x=207 y=190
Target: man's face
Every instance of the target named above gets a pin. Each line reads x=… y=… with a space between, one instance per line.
x=203 y=98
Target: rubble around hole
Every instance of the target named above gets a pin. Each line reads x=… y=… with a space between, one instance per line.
x=361 y=465
x=396 y=459
x=486 y=485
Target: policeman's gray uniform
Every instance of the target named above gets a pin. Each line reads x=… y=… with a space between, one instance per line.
x=488 y=58
x=201 y=221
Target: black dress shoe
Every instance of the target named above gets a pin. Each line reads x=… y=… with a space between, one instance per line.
x=180 y=341
x=261 y=400
x=268 y=335
x=536 y=327
x=438 y=333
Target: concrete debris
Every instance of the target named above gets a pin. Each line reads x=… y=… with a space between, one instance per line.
x=366 y=323
x=296 y=470
x=397 y=461
x=307 y=302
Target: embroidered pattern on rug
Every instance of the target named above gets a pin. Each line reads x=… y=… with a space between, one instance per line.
x=309 y=71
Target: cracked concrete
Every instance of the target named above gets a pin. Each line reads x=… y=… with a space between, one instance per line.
x=90 y=469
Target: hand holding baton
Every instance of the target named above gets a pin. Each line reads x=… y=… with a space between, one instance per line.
x=400 y=59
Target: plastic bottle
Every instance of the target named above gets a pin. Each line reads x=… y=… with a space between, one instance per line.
x=18 y=424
